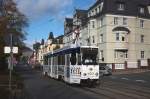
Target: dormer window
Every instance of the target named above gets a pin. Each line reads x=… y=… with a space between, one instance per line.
x=116 y=19
x=121 y=6
x=142 y=10
x=124 y=21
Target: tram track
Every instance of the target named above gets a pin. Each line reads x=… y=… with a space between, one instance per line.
x=125 y=94
x=117 y=90
x=97 y=93
x=127 y=86
x=109 y=94
x=131 y=91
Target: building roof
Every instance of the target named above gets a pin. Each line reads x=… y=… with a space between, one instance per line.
x=131 y=7
x=69 y=21
x=80 y=13
x=58 y=40
x=95 y=4
x=68 y=25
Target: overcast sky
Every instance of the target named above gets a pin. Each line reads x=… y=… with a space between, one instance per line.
x=48 y=16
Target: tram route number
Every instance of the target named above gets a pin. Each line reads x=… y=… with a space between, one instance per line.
x=91 y=73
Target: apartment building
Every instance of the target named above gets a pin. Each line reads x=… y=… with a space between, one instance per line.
x=121 y=30
x=49 y=45
x=68 y=28
x=74 y=26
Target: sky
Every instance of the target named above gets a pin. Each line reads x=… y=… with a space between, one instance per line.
x=48 y=16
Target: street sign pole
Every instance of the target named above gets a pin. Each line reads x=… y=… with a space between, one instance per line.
x=11 y=64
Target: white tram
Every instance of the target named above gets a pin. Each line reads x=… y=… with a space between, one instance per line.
x=73 y=65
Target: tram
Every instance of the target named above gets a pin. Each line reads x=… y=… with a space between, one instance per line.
x=74 y=65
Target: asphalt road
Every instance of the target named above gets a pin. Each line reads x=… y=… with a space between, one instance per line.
x=133 y=86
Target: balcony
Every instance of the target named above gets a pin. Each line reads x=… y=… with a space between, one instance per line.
x=121 y=45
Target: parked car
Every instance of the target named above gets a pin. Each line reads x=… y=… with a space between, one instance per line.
x=105 y=70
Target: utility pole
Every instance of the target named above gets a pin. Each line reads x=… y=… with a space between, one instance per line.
x=11 y=65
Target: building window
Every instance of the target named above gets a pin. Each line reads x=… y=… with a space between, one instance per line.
x=141 y=23
x=142 y=38
x=121 y=54
x=142 y=54
x=116 y=20
x=116 y=54
x=142 y=10
x=121 y=6
x=101 y=22
x=124 y=21
x=92 y=12
x=96 y=11
x=101 y=54
x=93 y=24
x=126 y=54
x=101 y=38
x=93 y=39
x=117 y=36
x=123 y=38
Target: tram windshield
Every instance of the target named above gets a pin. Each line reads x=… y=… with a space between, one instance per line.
x=89 y=56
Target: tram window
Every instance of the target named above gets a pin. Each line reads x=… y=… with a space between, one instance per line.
x=73 y=59
x=59 y=60
x=49 y=61
x=54 y=60
x=79 y=59
x=89 y=59
x=68 y=60
x=63 y=60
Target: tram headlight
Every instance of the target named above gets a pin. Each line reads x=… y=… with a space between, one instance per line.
x=84 y=74
x=96 y=74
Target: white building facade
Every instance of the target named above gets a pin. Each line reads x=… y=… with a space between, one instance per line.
x=121 y=30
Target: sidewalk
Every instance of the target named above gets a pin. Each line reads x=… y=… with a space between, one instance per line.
x=130 y=71
x=16 y=85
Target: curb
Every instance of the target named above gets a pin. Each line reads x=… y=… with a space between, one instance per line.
x=130 y=71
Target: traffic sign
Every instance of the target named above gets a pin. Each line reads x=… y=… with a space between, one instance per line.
x=7 y=50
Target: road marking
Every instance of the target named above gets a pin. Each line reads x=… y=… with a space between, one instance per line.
x=142 y=81
x=125 y=78
x=113 y=77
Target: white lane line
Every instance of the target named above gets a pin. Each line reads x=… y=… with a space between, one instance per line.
x=125 y=78
x=142 y=81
